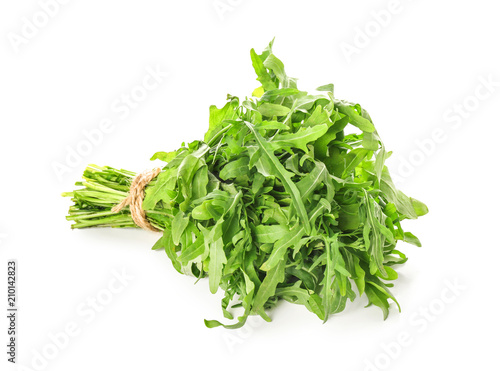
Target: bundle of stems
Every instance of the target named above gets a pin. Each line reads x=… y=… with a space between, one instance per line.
x=102 y=189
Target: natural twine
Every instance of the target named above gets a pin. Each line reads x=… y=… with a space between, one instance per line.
x=135 y=197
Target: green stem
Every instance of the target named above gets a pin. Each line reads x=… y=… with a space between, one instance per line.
x=102 y=189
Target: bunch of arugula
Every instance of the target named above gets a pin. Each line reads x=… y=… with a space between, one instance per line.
x=277 y=202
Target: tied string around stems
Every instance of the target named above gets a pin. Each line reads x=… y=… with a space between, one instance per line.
x=135 y=198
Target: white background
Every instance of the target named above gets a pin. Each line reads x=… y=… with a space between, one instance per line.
x=413 y=72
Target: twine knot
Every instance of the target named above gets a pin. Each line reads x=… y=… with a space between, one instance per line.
x=135 y=197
